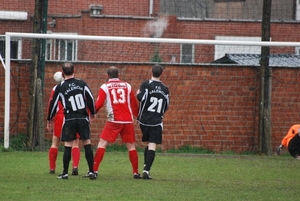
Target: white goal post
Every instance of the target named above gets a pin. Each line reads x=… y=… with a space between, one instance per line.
x=10 y=35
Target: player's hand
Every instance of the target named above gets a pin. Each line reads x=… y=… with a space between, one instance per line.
x=138 y=91
x=92 y=117
x=278 y=151
x=49 y=125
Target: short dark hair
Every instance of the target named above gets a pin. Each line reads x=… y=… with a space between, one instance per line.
x=113 y=72
x=157 y=70
x=68 y=68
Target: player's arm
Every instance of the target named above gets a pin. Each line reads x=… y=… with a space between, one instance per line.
x=291 y=133
x=49 y=124
x=50 y=97
x=134 y=104
x=141 y=91
x=167 y=100
x=52 y=105
x=100 y=99
x=90 y=101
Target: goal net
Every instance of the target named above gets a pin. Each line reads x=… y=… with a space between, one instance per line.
x=213 y=83
x=80 y=48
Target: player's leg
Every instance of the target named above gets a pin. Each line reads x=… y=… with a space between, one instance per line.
x=154 y=136
x=108 y=134
x=134 y=160
x=53 y=151
x=150 y=156
x=145 y=138
x=89 y=156
x=75 y=156
x=99 y=155
x=66 y=159
x=149 y=159
x=85 y=135
x=145 y=154
x=52 y=154
x=68 y=136
x=128 y=137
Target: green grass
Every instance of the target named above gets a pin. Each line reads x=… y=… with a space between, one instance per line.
x=24 y=176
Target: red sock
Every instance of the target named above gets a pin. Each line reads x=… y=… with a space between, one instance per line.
x=75 y=157
x=134 y=159
x=52 y=155
x=98 y=158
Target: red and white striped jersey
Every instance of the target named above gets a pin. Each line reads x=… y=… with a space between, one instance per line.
x=119 y=99
x=59 y=109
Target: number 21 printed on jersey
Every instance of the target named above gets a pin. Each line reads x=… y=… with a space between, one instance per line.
x=156 y=104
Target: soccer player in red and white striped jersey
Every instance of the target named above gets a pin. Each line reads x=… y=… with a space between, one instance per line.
x=121 y=105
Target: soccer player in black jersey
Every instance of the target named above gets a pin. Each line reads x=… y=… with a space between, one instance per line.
x=154 y=102
x=77 y=99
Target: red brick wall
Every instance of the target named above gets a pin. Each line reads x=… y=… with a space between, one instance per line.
x=112 y=7
x=107 y=25
x=211 y=107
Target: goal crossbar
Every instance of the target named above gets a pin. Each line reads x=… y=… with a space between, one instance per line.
x=152 y=40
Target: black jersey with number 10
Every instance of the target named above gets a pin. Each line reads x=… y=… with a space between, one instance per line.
x=154 y=101
x=76 y=98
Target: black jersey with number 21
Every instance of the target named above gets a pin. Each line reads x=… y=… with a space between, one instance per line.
x=154 y=101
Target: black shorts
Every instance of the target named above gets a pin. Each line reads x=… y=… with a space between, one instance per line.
x=294 y=146
x=152 y=133
x=71 y=127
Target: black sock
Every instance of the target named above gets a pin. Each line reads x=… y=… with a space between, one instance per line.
x=66 y=159
x=145 y=154
x=89 y=156
x=149 y=159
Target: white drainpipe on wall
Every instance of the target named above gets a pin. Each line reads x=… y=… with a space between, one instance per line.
x=298 y=10
x=150 y=7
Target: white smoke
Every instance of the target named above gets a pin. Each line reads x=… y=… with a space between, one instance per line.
x=155 y=29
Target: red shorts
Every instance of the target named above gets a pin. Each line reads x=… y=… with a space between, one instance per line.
x=111 y=131
x=57 y=125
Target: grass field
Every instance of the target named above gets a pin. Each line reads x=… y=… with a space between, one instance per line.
x=24 y=176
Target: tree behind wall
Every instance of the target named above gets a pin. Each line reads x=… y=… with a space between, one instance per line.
x=34 y=120
x=265 y=122
x=156 y=57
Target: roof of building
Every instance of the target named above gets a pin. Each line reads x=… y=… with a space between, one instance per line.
x=276 y=60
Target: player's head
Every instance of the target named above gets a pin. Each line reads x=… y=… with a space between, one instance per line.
x=157 y=70
x=68 y=69
x=113 y=72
